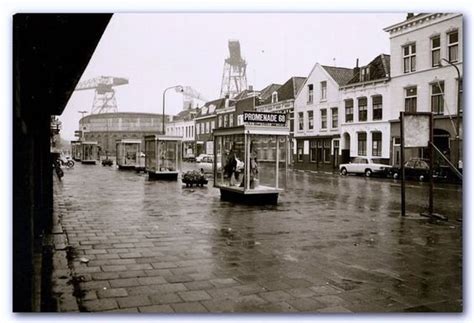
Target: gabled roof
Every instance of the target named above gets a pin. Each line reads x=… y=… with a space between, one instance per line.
x=379 y=68
x=210 y=107
x=186 y=115
x=245 y=94
x=267 y=91
x=341 y=75
x=287 y=91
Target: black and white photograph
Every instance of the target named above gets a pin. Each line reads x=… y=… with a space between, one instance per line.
x=238 y=162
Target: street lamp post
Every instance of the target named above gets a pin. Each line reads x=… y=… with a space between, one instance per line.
x=458 y=117
x=178 y=88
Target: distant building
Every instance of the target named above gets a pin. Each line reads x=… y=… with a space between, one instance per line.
x=421 y=81
x=183 y=125
x=205 y=122
x=107 y=128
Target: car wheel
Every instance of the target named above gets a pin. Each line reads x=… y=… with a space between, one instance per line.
x=421 y=178
x=343 y=171
x=395 y=175
x=368 y=172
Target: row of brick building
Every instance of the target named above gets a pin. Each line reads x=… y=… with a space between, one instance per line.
x=336 y=113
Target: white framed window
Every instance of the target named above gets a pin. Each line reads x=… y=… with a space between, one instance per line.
x=274 y=97
x=324 y=118
x=410 y=99
x=310 y=93
x=362 y=104
x=198 y=129
x=409 y=58
x=213 y=125
x=310 y=120
x=231 y=120
x=437 y=100
x=377 y=110
x=324 y=90
x=334 y=115
x=219 y=121
x=435 y=51
x=453 y=43
x=300 y=121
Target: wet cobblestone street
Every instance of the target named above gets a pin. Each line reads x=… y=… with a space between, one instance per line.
x=332 y=244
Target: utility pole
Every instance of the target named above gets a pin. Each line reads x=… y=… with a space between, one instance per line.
x=458 y=116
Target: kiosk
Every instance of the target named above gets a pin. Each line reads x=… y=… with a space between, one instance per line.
x=90 y=152
x=76 y=150
x=250 y=161
x=128 y=153
x=163 y=157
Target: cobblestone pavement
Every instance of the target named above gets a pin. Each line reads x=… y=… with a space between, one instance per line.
x=332 y=244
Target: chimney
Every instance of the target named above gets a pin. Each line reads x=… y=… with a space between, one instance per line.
x=410 y=15
x=356 y=69
x=251 y=88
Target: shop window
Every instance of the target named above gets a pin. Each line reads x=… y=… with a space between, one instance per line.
x=409 y=58
x=377 y=111
x=435 y=51
x=320 y=150
x=453 y=43
x=437 y=100
x=410 y=99
x=299 y=150
x=362 y=104
x=362 y=144
x=349 y=105
x=377 y=144
x=327 y=150
x=312 y=151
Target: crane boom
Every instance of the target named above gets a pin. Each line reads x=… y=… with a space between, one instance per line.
x=100 y=82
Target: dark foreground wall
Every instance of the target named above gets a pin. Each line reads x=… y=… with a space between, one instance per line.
x=50 y=52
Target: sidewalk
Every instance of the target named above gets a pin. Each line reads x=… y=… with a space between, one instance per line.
x=338 y=246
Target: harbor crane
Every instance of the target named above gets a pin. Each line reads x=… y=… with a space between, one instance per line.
x=104 y=98
x=234 y=76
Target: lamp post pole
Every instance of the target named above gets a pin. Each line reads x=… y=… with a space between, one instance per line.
x=458 y=116
x=177 y=88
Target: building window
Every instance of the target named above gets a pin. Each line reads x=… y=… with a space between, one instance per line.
x=231 y=120
x=362 y=144
x=198 y=129
x=206 y=127
x=435 y=51
x=274 y=97
x=213 y=125
x=377 y=107
x=327 y=151
x=219 y=121
x=299 y=150
x=410 y=99
x=324 y=90
x=437 y=101
x=376 y=144
x=225 y=120
x=310 y=120
x=364 y=74
x=334 y=114
x=349 y=110
x=320 y=151
x=312 y=151
x=202 y=127
x=362 y=104
x=324 y=119
x=310 y=93
x=300 y=121
x=409 y=58
x=453 y=46
x=292 y=121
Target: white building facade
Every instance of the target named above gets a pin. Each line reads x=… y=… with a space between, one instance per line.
x=317 y=118
x=365 y=126
x=425 y=50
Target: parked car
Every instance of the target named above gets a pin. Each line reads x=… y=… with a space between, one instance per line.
x=362 y=165
x=189 y=158
x=207 y=164
x=415 y=168
x=201 y=156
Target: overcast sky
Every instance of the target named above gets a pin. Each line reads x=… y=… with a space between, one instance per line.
x=155 y=51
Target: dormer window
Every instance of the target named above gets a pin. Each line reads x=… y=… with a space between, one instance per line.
x=274 y=97
x=364 y=74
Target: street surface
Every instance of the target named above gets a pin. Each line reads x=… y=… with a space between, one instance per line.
x=332 y=244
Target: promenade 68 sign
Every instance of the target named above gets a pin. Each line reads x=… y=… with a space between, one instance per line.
x=264 y=117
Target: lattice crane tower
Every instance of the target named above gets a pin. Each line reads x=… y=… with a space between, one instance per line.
x=104 y=98
x=234 y=77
